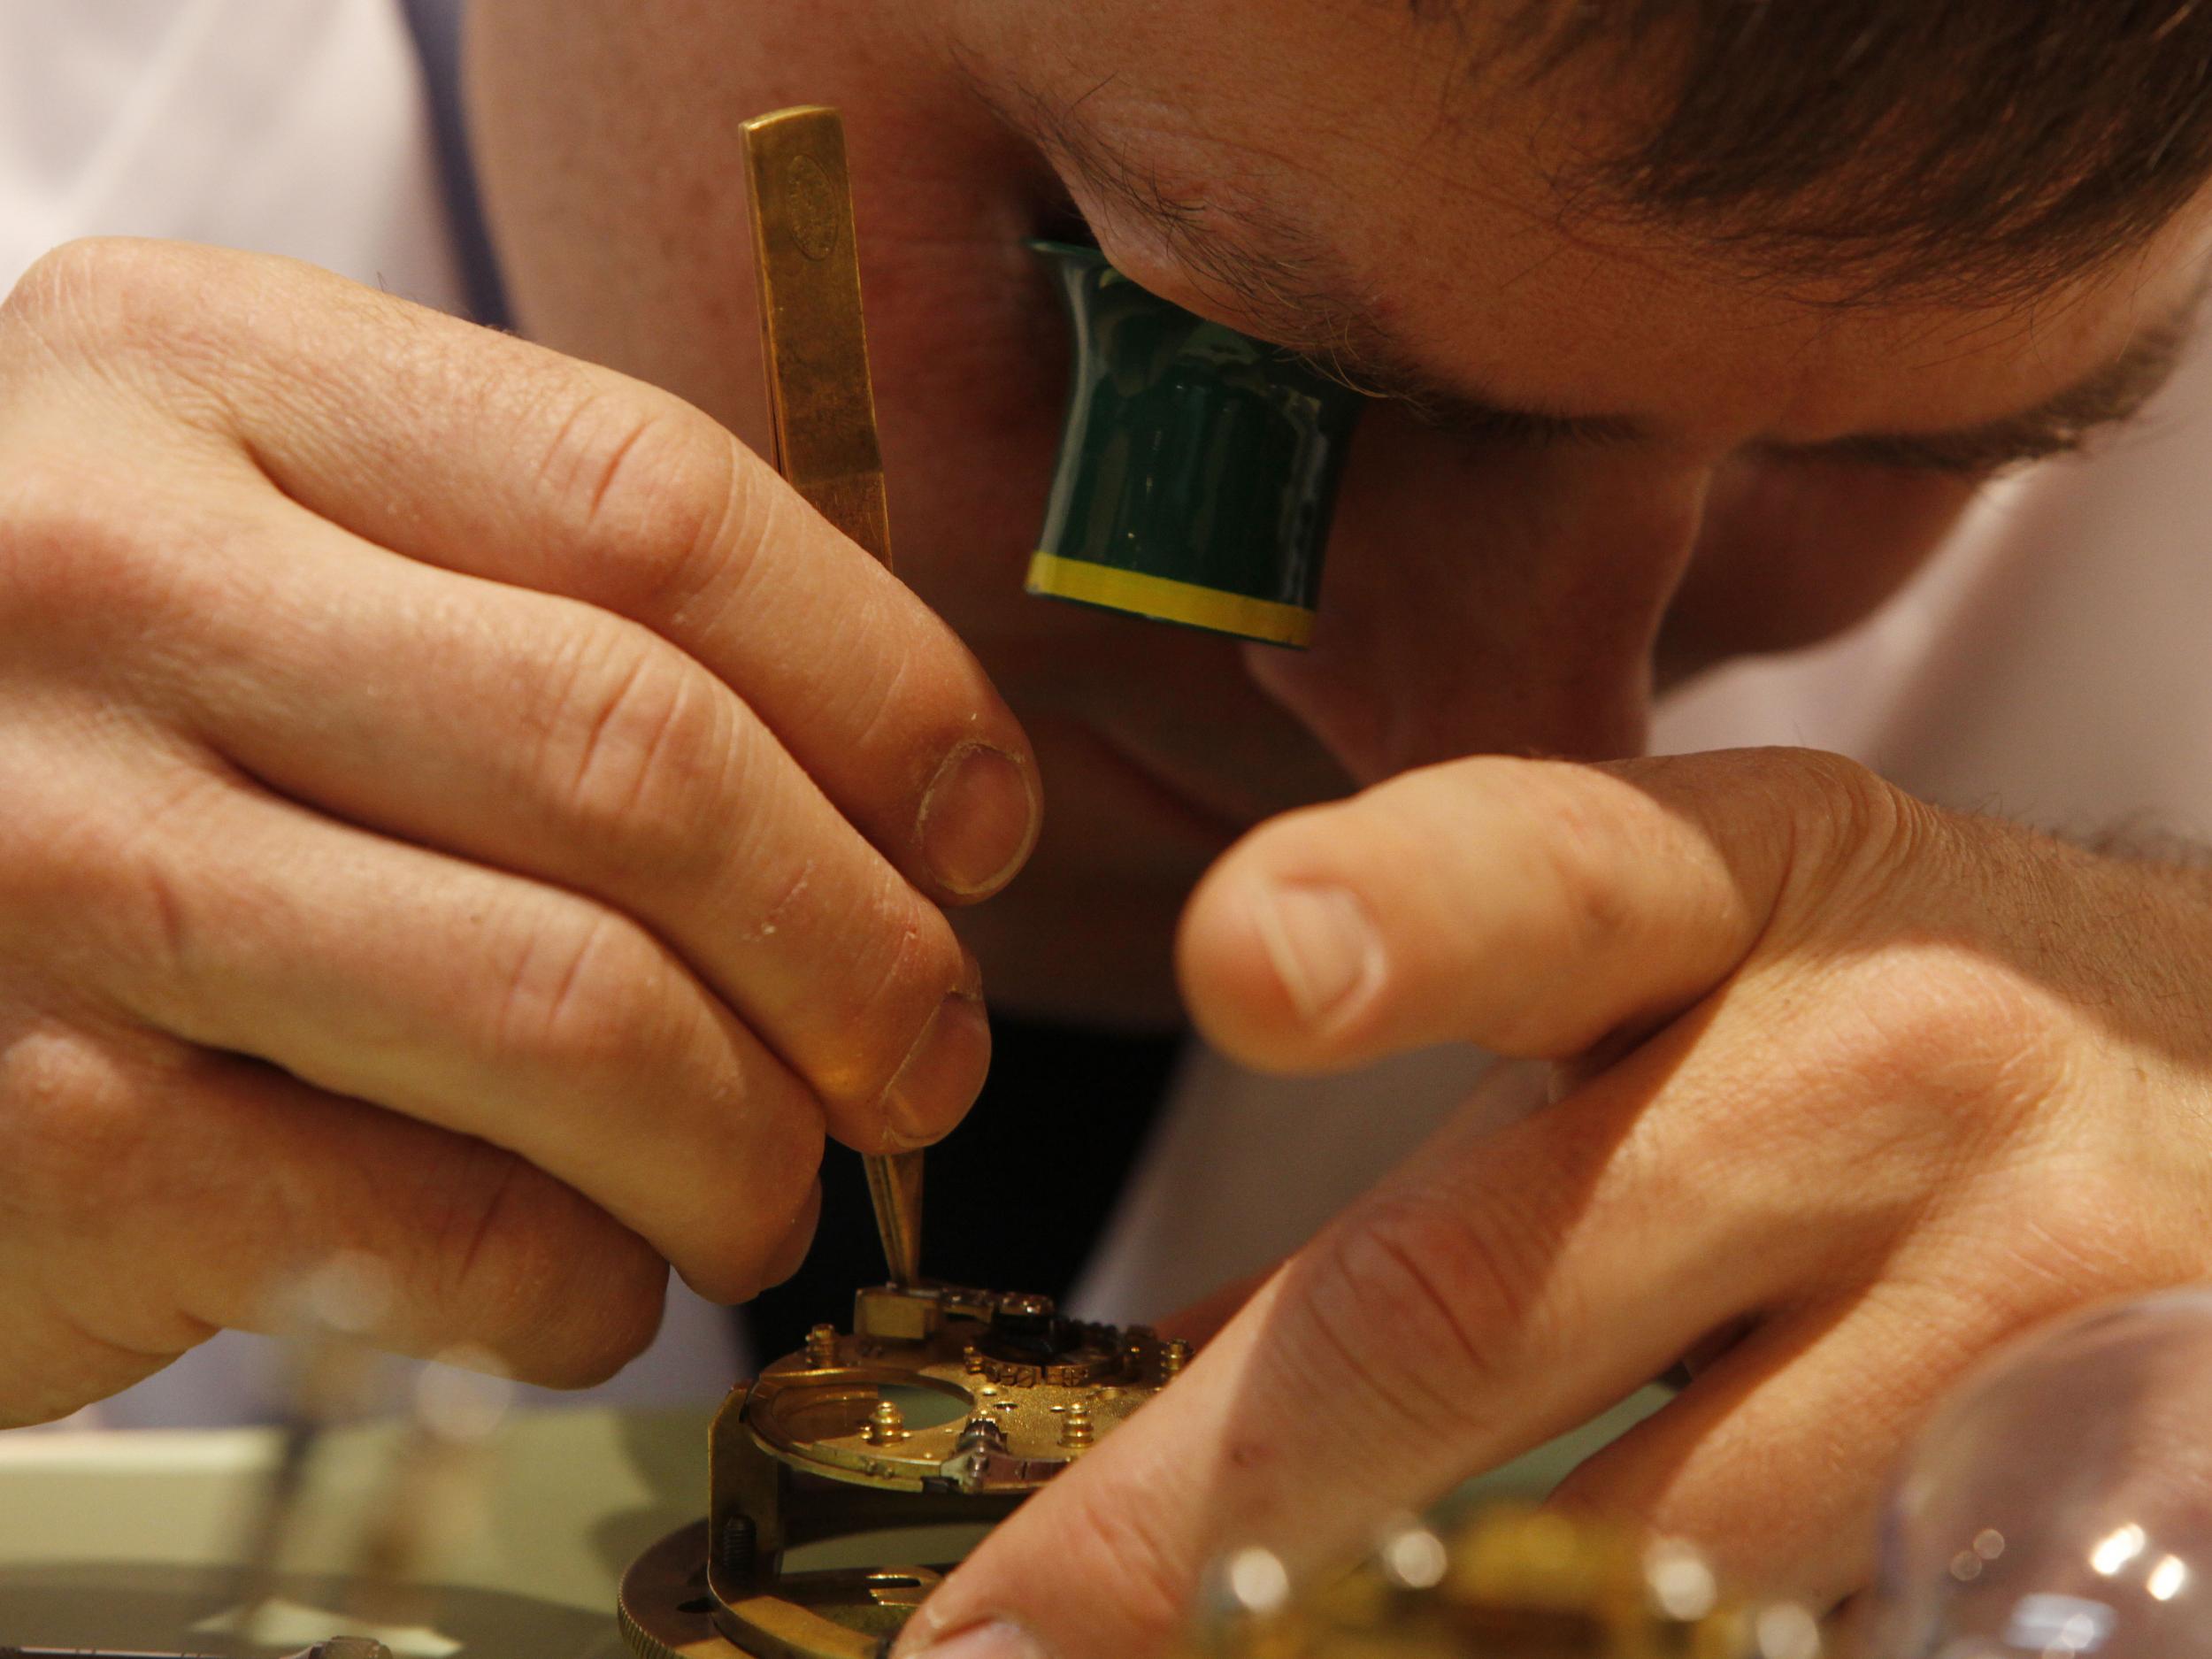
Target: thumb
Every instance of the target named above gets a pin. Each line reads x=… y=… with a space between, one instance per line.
x=1494 y=1291
x=1536 y=908
x=1106 y=1564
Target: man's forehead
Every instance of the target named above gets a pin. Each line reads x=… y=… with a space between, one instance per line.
x=1244 y=139
x=1430 y=259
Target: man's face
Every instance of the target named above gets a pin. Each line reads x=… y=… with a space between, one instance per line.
x=1630 y=460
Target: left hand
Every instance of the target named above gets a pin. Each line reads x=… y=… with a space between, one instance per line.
x=1849 y=1088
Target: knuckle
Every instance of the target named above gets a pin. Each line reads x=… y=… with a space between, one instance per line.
x=1582 y=859
x=613 y=1322
x=585 y=992
x=653 y=486
x=642 y=744
x=564 y=1293
x=882 y=1015
x=76 y=1130
x=1846 y=823
x=1582 y=910
x=789 y=1253
x=2078 y=1228
x=731 y=1253
x=100 y=296
x=67 y=552
x=100 y=882
x=726 y=1271
x=103 y=540
x=166 y=915
x=1935 y=1023
x=67 y=287
x=724 y=1250
x=1427 y=1308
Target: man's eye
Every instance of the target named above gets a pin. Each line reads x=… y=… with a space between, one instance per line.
x=1485 y=426
x=1912 y=458
x=1496 y=427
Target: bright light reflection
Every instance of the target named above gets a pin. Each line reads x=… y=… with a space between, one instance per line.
x=1416 y=1558
x=1681 y=1583
x=2167 y=1578
x=2058 y=1625
x=2115 y=1549
x=1258 y=1580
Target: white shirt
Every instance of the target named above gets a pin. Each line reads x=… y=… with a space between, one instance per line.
x=296 y=128
x=2049 y=665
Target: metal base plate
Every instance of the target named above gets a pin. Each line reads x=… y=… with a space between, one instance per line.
x=664 y=1607
x=667 y=1607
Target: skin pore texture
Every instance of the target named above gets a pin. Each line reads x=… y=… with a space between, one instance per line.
x=1861 y=1085
x=465 y=811
x=1337 y=180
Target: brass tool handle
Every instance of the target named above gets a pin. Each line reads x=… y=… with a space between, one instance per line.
x=814 y=343
x=822 y=410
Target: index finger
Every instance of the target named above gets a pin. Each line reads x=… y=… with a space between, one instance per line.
x=1536 y=908
x=1489 y=1295
x=465 y=448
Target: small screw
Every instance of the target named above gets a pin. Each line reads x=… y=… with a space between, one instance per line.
x=1173 y=1357
x=885 y=1423
x=821 y=1345
x=983 y=1431
x=1075 y=1427
x=971 y=1357
x=734 y=1544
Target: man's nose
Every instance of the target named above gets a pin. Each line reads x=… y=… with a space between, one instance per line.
x=1500 y=602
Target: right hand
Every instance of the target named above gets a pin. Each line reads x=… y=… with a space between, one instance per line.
x=456 y=804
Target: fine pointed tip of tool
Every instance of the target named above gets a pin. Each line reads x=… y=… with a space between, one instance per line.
x=822 y=420
x=895 y=1188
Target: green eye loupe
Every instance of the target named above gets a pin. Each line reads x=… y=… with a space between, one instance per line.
x=1197 y=466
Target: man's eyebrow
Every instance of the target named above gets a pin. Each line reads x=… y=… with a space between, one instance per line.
x=1285 y=285
x=2114 y=392
x=1293 y=290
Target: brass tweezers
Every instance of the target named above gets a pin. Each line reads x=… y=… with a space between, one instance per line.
x=822 y=410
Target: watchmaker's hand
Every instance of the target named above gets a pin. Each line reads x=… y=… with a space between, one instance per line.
x=1850 y=1088
x=458 y=805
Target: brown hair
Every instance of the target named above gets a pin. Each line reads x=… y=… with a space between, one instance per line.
x=1917 y=144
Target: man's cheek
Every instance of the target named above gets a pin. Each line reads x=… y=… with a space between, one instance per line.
x=970 y=364
x=1793 y=551
x=1492 y=599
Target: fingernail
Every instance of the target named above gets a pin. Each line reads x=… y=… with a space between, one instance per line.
x=997 y=1639
x=978 y=819
x=942 y=1074
x=1323 y=946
